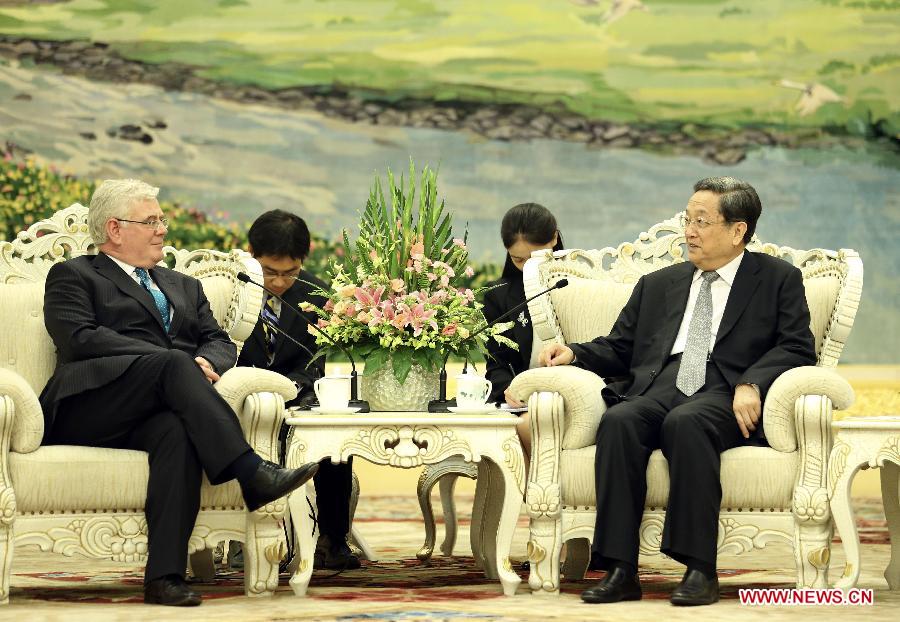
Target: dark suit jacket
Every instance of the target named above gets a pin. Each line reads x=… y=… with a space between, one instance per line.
x=289 y=359
x=763 y=333
x=101 y=320
x=504 y=363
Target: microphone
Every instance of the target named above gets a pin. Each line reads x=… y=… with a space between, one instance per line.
x=441 y=403
x=273 y=326
x=354 y=402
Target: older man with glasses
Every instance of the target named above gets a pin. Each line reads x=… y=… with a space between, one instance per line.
x=138 y=351
x=699 y=344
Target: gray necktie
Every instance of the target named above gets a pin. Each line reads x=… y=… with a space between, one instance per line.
x=692 y=371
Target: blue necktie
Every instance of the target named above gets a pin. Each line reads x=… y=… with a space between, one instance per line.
x=162 y=303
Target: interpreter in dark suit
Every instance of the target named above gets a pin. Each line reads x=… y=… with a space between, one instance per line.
x=280 y=241
x=699 y=344
x=137 y=352
x=525 y=228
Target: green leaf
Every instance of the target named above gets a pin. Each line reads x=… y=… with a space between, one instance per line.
x=421 y=358
x=402 y=361
x=376 y=360
x=435 y=358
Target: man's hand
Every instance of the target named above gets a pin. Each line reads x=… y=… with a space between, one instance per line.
x=556 y=354
x=747 y=408
x=511 y=400
x=207 y=368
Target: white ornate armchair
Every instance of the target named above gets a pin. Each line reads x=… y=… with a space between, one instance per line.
x=89 y=501
x=782 y=497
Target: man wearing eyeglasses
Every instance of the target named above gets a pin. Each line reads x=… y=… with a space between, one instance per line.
x=280 y=241
x=699 y=344
x=137 y=352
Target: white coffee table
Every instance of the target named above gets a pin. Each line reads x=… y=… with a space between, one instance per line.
x=412 y=439
x=865 y=442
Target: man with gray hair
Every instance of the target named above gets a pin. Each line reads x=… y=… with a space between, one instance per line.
x=698 y=345
x=137 y=352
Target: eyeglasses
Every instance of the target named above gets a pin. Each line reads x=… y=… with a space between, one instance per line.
x=700 y=223
x=289 y=275
x=155 y=223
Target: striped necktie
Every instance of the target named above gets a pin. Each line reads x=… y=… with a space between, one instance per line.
x=692 y=370
x=269 y=317
x=159 y=298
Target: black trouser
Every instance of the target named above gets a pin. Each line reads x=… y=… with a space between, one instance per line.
x=163 y=405
x=692 y=433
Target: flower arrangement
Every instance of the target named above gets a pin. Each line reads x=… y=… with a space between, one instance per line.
x=399 y=292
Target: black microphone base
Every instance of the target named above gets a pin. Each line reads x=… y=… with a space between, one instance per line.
x=363 y=405
x=441 y=406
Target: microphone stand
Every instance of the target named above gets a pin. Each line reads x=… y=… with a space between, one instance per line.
x=441 y=404
x=354 y=402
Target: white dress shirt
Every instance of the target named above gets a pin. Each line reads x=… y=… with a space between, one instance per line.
x=719 y=290
x=129 y=270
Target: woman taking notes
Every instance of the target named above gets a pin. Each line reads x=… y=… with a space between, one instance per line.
x=525 y=228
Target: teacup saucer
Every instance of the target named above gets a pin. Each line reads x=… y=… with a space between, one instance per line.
x=346 y=410
x=472 y=410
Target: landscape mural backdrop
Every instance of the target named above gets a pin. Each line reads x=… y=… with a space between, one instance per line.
x=604 y=111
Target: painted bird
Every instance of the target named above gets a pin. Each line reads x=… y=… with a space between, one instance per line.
x=813 y=96
x=620 y=8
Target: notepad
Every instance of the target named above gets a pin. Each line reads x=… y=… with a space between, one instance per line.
x=511 y=409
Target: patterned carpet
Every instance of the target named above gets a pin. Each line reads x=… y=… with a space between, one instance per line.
x=399 y=587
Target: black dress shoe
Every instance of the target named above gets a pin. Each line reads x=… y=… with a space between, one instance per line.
x=616 y=586
x=271 y=482
x=338 y=556
x=170 y=590
x=696 y=589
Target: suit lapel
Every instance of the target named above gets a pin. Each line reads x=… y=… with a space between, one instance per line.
x=128 y=286
x=745 y=283
x=676 y=305
x=168 y=286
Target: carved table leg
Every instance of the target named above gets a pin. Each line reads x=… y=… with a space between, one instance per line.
x=890 y=479
x=477 y=529
x=447 y=485
x=489 y=475
x=842 y=511
x=445 y=474
x=509 y=515
x=423 y=490
x=305 y=541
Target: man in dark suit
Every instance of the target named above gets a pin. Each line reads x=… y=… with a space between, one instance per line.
x=280 y=241
x=137 y=352
x=698 y=344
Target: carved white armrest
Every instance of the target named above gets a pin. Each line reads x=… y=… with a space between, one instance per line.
x=22 y=419
x=580 y=391
x=779 y=416
x=258 y=397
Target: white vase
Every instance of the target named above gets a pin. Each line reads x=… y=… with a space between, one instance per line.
x=384 y=393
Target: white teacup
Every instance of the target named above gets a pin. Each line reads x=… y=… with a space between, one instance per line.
x=472 y=390
x=332 y=392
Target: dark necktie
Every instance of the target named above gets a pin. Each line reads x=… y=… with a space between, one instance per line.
x=269 y=317
x=162 y=303
x=692 y=371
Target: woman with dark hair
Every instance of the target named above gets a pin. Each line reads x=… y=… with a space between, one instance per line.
x=525 y=228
